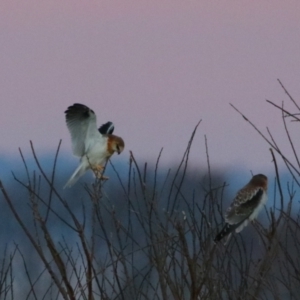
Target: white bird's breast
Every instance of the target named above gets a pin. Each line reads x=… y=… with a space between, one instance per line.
x=255 y=212
x=259 y=207
x=96 y=153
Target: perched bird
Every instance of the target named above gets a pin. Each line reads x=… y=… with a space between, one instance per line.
x=245 y=206
x=93 y=146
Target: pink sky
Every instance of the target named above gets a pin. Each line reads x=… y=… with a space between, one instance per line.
x=154 y=68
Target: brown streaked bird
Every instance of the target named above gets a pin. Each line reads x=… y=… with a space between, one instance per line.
x=245 y=206
x=94 y=146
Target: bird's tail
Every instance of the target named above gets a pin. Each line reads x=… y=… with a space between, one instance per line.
x=228 y=229
x=76 y=175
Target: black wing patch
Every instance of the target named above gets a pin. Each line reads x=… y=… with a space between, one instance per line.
x=250 y=204
x=78 y=110
x=107 y=128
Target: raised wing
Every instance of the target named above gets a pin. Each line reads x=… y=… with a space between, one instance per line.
x=82 y=124
x=107 y=128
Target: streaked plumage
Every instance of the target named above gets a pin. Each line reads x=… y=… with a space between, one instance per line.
x=245 y=206
x=94 y=146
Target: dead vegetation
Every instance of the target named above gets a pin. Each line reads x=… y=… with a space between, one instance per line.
x=154 y=240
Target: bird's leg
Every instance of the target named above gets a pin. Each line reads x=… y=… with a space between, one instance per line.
x=102 y=177
x=98 y=170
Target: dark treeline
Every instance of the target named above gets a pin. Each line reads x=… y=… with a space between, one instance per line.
x=146 y=233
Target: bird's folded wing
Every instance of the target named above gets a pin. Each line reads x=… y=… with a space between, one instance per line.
x=243 y=205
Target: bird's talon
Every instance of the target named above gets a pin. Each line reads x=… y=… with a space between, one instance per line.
x=98 y=168
x=101 y=177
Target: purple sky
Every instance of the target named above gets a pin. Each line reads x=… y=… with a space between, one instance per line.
x=154 y=68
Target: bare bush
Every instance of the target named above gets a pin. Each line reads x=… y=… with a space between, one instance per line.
x=154 y=238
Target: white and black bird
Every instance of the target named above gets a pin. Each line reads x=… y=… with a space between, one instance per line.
x=94 y=146
x=245 y=206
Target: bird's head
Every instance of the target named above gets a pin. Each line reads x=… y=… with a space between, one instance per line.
x=116 y=144
x=260 y=180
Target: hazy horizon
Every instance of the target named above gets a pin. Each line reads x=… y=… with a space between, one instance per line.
x=154 y=69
